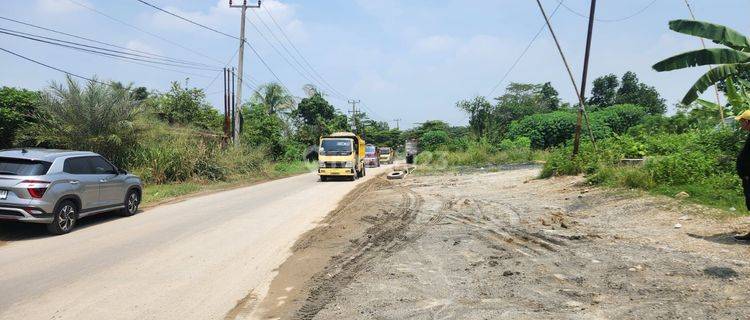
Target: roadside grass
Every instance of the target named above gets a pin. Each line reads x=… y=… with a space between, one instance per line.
x=155 y=194
x=475 y=159
x=720 y=191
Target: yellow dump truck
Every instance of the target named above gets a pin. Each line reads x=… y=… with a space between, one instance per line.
x=341 y=154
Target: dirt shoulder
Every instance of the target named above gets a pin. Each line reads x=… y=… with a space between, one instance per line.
x=505 y=246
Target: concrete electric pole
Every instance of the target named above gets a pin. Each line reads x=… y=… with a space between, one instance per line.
x=354 y=114
x=240 y=71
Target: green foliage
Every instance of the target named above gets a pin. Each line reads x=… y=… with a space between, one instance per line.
x=96 y=117
x=552 y=129
x=608 y=91
x=263 y=129
x=273 y=98
x=603 y=92
x=185 y=106
x=732 y=62
x=433 y=140
x=700 y=161
x=619 y=118
x=16 y=108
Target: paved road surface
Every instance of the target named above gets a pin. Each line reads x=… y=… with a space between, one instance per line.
x=189 y=260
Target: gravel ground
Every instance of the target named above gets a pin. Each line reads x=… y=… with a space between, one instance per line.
x=506 y=246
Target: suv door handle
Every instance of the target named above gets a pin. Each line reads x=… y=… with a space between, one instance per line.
x=102 y=180
x=74 y=181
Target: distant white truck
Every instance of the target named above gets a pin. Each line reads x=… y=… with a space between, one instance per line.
x=411 y=150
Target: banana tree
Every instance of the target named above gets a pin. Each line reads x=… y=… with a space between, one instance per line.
x=729 y=61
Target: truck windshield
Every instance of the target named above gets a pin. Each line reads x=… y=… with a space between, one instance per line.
x=385 y=150
x=370 y=149
x=336 y=147
x=23 y=167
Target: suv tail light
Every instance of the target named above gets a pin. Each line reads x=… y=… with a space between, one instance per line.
x=36 y=188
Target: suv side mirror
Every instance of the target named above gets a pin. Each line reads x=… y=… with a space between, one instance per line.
x=121 y=171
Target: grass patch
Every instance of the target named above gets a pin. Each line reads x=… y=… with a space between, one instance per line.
x=157 y=193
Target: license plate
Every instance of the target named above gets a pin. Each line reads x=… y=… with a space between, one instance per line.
x=3 y=194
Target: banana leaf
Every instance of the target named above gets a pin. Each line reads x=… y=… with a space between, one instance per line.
x=710 y=78
x=714 y=32
x=701 y=58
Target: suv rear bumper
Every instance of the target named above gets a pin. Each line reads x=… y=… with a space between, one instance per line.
x=20 y=214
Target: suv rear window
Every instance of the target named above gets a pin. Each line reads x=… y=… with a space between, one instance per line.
x=23 y=167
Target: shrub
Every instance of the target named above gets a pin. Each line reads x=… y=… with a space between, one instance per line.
x=684 y=167
x=433 y=140
x=16 y=107
x=552 y=129
x=97 y=117
x=619 y=118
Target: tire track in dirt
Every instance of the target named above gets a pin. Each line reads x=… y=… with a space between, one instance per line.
x=367 y=225
x=384 y=237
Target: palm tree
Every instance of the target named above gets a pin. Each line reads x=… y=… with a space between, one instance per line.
x=730 y=61
x=96 y=116
x=273 y=97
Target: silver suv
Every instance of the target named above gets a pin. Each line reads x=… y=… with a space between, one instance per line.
x=57 y=187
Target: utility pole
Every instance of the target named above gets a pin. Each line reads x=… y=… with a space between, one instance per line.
x=240 y=73
x=233 y=107
x=570 y=73
x=227 y=103
x=354 y=114
x=397 y=121
x=577 y=139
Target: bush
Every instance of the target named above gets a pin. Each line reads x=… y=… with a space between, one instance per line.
x=433 y=140
x=552 y=129
x=684 y=167
x=97 y=117
x=619 y=118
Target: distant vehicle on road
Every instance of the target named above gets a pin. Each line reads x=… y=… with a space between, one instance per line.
x=58 y=187
x=372 y=156
x=341 y=154
x=387 y=155
x=411 y=150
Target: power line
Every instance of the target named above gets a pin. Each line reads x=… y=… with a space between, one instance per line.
x=188 y=20
x=149 y=54
x=523 y=53
x=263 y=61
x=304 y=73
x=277 y=50
x=51 y=67
x=222 y=71
x=142 y=30
x=85 y=48
x=639 y=11
x=304 y=59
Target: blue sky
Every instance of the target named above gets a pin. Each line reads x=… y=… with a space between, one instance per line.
x=403 y=59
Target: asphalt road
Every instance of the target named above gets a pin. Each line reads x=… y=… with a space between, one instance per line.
x=189 y=260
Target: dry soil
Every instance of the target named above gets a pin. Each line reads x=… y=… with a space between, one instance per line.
x=504 y=245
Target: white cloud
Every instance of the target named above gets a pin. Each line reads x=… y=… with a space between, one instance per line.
x=60 y=6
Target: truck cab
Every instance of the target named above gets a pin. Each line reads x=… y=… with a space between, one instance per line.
x=386 y=155
x=372 y=156
x=341 y=154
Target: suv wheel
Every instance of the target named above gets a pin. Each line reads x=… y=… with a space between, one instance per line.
x=65 y=217
x=132 y=201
